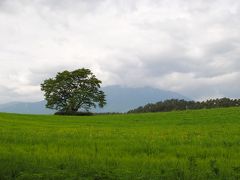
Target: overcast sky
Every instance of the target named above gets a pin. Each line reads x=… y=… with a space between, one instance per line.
x=187 y=46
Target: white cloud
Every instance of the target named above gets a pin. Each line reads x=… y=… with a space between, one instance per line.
x=192 y=47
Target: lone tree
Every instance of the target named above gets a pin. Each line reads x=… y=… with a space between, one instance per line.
x=70 y=92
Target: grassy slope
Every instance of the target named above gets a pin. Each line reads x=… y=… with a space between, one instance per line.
x=202 y=144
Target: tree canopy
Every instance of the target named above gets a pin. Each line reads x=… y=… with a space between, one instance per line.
x=73 y=91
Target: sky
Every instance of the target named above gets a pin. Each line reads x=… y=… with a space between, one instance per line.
x=188 y=46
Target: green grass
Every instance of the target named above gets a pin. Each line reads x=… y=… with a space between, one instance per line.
x=201 y=144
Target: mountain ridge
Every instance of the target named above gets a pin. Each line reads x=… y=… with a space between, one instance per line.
x=119 y=99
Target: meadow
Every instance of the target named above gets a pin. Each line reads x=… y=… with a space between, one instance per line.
x=199 y=144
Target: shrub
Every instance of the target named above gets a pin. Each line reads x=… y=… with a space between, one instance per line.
x=74 y=113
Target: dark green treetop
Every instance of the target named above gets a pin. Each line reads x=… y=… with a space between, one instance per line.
x=73 y=91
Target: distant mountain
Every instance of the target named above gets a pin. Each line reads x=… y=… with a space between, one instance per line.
x=122 y=99
x=26 y=108
x=119 y=99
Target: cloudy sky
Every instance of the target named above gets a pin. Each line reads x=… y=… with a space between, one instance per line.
x=187 y=46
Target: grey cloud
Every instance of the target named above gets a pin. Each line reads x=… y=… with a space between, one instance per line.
x=10 y=94
x=192 y=47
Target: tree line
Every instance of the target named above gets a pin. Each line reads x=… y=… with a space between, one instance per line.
x=180 y=105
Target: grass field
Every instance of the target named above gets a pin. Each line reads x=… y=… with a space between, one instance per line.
x=201 y=144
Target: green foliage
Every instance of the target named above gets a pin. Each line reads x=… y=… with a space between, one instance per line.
x=202 y=144
x=175 y=104
x=71 y=91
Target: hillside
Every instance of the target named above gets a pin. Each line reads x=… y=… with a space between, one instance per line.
x=200 y=144
x=119 y=99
